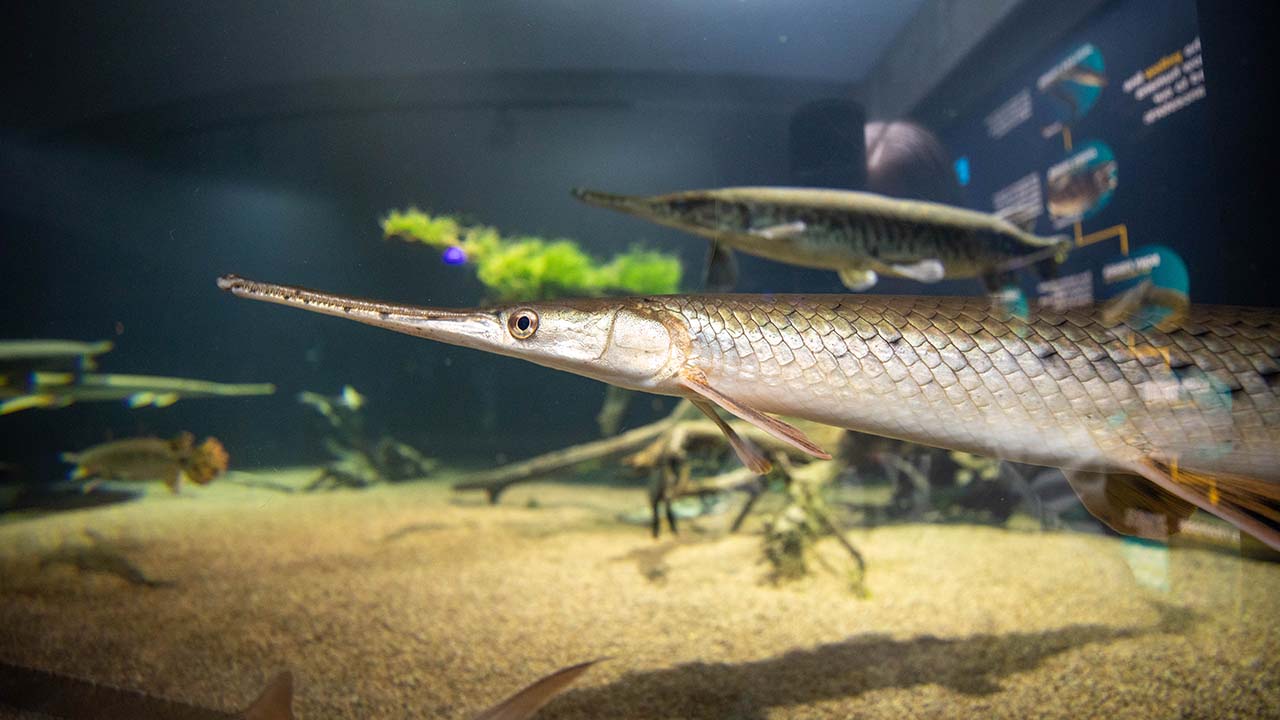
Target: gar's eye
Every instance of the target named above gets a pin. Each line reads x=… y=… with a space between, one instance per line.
x=523 y=324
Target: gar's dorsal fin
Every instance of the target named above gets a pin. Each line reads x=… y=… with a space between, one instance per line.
x=722 y=269
x=748 y=453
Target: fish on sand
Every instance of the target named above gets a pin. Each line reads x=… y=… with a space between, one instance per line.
x=150 y=458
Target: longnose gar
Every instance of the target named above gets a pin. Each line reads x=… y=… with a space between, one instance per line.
x=1147 y=424
x=859 y=235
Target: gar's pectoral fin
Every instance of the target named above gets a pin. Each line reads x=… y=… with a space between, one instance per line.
x=858 y=279
x=747 y=452
x=930 y=270
x=1129 y=504
x=779 y=231
x=722 y=269
x=775 y=427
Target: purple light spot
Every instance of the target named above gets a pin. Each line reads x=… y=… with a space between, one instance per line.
x=453 y=255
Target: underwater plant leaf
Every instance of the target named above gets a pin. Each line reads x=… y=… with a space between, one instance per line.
x=413 y=224
x=644 y=272
x=565 y=266
x=531 y=268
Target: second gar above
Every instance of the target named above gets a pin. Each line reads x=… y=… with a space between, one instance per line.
x=859 y=235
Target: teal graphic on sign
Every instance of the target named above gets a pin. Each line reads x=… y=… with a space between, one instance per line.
x=1075 y=83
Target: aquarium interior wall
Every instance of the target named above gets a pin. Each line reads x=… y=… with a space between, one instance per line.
x=146 y=157
x=143 y=156
x=146 y=150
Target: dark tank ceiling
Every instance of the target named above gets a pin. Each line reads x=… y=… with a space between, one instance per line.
x=80 y=62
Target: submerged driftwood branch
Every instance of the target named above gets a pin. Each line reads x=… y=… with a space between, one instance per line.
x=495 y=482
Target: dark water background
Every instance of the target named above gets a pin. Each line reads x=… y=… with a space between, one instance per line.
x=116 y=217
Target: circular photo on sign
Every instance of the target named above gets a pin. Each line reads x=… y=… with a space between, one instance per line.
x=1075 y=83
x=1148 y=287
x=1082 y=185
x=1148 y=290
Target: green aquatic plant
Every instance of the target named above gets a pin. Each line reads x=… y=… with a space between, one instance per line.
x=642 y=271
x=531 y=268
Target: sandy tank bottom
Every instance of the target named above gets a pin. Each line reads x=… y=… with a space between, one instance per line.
x=411 y=601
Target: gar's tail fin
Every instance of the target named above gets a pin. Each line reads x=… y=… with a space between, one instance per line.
x=207 y=462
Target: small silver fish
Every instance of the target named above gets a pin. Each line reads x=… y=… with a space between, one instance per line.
x=859 y=235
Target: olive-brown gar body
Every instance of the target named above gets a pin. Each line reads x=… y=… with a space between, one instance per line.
x=1194 y=410
x=859 y=235
x=150 y=458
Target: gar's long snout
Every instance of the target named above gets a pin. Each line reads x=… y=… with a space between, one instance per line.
x=469 y=328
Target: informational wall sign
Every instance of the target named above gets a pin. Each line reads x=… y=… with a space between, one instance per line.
x=1101 y=138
